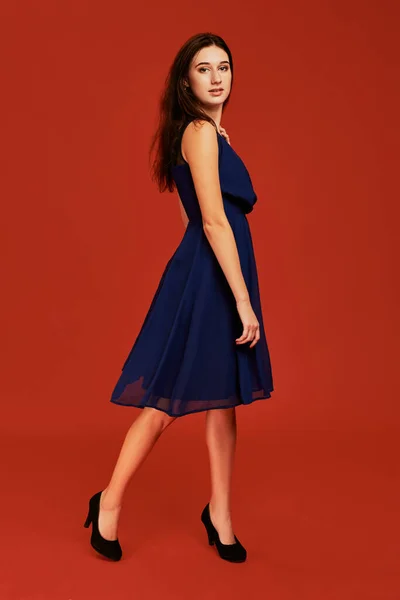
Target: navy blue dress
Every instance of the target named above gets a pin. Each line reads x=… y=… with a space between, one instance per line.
x=185 y=358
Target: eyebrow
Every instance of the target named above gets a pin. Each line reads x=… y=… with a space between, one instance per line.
x=207 y=63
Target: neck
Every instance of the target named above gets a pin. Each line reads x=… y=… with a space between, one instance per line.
x=215 y=114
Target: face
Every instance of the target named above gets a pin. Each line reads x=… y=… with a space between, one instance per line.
x=210 y=69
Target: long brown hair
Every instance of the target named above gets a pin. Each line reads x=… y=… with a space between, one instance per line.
x=179 y=106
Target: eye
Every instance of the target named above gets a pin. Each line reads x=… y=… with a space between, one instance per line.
x=225 y=67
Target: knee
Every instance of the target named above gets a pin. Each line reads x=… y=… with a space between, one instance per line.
x=223 y=413
x=222 y=416
x=160 y=419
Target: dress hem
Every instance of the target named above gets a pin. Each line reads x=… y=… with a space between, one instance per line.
x=169 y=413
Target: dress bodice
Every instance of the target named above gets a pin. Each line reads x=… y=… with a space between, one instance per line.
x=236 y=186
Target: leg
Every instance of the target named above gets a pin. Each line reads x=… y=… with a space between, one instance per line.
x=221 y=432
x=139 y=440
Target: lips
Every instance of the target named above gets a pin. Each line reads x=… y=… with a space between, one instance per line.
x=217 y=90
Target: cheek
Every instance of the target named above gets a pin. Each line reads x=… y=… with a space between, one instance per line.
x=200 y=85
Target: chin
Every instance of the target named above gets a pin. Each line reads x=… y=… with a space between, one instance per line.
x=214 y=101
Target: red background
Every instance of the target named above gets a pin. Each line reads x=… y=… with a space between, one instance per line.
x=86 y=235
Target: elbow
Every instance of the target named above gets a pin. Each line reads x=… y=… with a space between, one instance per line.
x=215 y=224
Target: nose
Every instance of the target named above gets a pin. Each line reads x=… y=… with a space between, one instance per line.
x=216 y=78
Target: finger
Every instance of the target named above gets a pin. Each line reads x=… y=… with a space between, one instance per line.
x=247 y=335
x=251 y=335
x=244 y=335
x=256 y=338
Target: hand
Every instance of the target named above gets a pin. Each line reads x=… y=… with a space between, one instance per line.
x=251 y=326
x=224 y=134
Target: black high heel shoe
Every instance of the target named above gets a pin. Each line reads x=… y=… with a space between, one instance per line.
x=108 y=548
x=232 y=552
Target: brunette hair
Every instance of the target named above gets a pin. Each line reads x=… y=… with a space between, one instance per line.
x=179 y=106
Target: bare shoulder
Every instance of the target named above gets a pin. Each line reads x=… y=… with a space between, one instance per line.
x=200 y=127
x=199 y=141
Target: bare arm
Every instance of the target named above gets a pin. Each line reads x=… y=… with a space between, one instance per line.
x=200 y=145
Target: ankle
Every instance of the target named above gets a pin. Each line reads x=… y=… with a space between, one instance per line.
x=220 y=511
x=109 y=501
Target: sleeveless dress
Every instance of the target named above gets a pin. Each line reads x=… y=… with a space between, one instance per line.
x=185 y=358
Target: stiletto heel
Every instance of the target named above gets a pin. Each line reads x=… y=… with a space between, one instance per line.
x=88 y=520
x=108 y=548
x=231 y=552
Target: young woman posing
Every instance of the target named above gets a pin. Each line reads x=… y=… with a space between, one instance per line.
x=202 y=345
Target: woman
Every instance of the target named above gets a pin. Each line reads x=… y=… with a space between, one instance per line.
x=202 y=345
